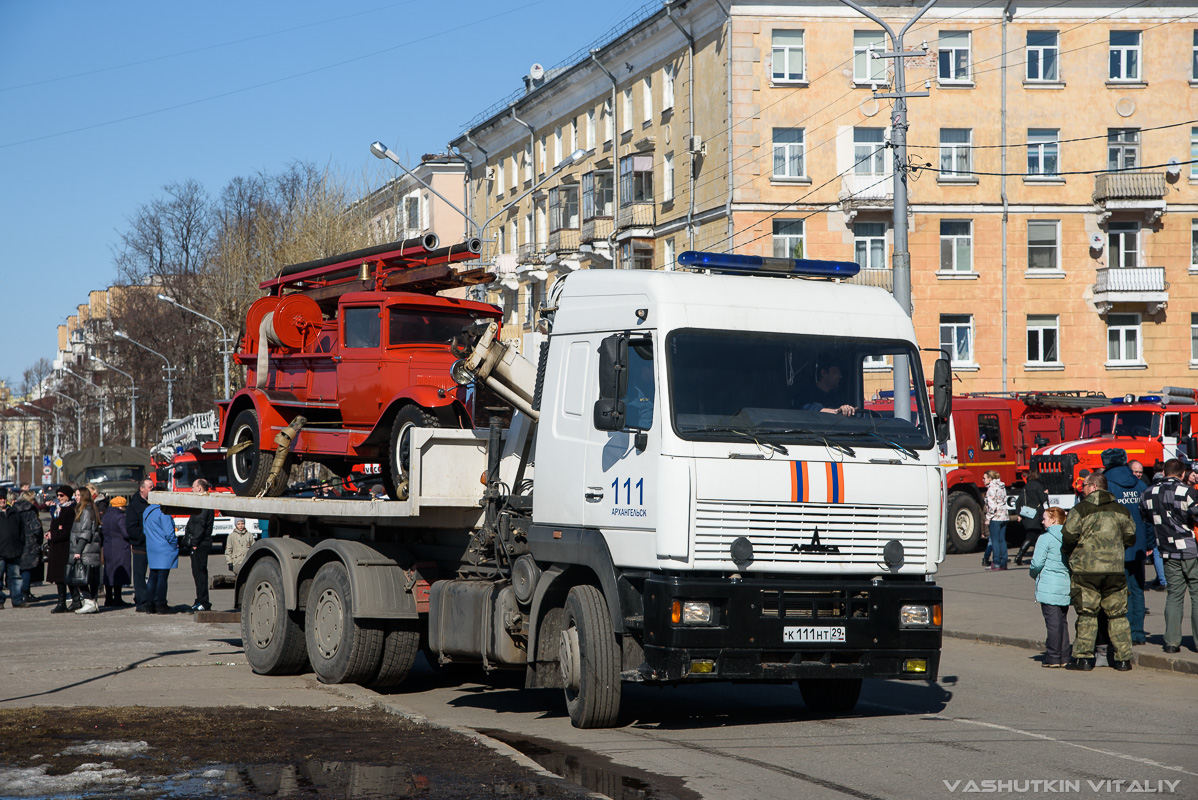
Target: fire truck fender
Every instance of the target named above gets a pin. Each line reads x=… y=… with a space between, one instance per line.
x=268 y=417
x=448 y=410
x=379 y=587
x=288 y=554
x=966 y=476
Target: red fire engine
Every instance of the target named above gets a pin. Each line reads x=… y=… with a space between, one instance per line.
x=344 y=355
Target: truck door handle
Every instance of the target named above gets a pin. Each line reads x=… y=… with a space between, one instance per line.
x=593 y=494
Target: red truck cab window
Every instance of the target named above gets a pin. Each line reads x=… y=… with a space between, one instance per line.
x=989 y=432
x=414 y=326
x=360 y=327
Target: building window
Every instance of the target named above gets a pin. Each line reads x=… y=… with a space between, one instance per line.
x=501 y=239
x=1123 y=244
x=1042 y=56
x=869 y=245
x=627 y=126
x=1194 y=59
x=865 y=68
x=956 y=245
x=532 y=293
x=563 y=208
x=1042 y=339
x=528 y=229
x=597 y=194
x=788 y=153
x=557 y=145
x=788 y=238
x=542 y=153
x=1042 y=156
x=515 y=170
x=608 y=123
x=636 y=179
x=954 y=152
x=1125 y=56
x=670 y=254
x=667 y=178
x=647 y=97
x=1194 y=244
x=1123 y=339
x=667 y=87
x=1122 y=148
x=1193 y=337
x=787 y=58
x=542 y=220
x=1193 y=153
x=591 y=129
x=956 y=336
x=1042 y=245
x=411 y=215
x=573 y=128
x=954 y=56
x=528 y=162
x=869 y=151
x=499 y=182
x=637 y=254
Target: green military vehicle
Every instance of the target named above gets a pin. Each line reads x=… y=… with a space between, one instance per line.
x=114 y=470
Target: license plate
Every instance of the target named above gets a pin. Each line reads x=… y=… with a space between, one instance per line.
x=832 y=633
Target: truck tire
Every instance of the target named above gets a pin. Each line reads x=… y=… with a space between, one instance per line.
x=395 y=476
x=589 y=660
x=272 y=637
x=964 y=523
x=830 y=695
x=340 y=649
x=248 y=468
x=401 y=643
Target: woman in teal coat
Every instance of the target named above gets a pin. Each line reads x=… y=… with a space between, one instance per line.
x=162 y=552
x=1052 y=588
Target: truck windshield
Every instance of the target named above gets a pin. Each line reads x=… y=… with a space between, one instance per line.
x=98 y=475
x=1125 y=423
x=409 y=326
x=213 y=471
x=774 y=387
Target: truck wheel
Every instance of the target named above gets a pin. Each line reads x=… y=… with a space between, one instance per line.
x=964 y=523
x=830 y=695
x=395 y=471
x=401 y=643
x=589 y=660
x=272 y=638
x=340 y=649
x=249 y=467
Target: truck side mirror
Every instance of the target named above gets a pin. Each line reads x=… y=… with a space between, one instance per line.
x=1192 y=448
x=942 y=397
x=613 y=383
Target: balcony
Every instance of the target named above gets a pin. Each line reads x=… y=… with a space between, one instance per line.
x=1141 y=192
x=1145 y=285
x=866 y=193
x=596 y=229
x=563 y=241
x=530 y=253
x=637 y=215
x=881 y=278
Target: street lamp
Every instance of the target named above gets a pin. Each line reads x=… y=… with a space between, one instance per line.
x=67 y=370
x=56 y=415
x=132 y=399
x=170 y=372
x=78 y=417
x=380 y=150
x=224 y=334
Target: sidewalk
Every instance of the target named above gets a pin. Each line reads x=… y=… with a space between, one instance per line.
x=1001 y=608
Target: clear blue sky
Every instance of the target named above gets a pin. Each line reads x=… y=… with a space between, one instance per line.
x=104 y=103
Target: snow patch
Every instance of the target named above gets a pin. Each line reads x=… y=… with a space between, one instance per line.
x=34 y=782
x=109 y=749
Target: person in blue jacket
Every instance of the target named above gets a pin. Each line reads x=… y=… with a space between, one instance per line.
x=1052 y=588
x=162 y=553
x=1128 y=489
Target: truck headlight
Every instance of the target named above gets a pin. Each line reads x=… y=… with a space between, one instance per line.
x=919 y=616
x=690 y=612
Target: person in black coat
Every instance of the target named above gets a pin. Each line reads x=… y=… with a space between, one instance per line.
x=59 y=537
x=1034 y=501
x=134 y=516
x=198 y=536
x=11 y=546
x=33 y=533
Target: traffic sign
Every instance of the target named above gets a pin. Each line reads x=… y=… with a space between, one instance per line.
x=58 y=463
x=46 y=471
x=45 y=462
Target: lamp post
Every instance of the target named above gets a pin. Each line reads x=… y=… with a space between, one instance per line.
x=67 y=370
x=78 y=417
x=21 y=446
x=132 y=398
x=224 y=334
x=170 y=372
x=56 y=415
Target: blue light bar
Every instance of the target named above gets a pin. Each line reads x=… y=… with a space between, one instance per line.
x=1150 y=398
x=729 y=262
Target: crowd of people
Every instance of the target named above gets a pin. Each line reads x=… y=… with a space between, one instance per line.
x=117 y=543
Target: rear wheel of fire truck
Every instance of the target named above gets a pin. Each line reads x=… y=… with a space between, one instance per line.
x=401 y=643
x=272 y=638
x=830 y=695
x=248 y=467
x=340 y=649
x=395 y=471
x=589 y=656
x=964 y=523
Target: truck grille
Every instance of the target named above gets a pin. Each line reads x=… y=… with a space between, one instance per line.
x=1056 y=472
x=815 y=604
x=778 y=530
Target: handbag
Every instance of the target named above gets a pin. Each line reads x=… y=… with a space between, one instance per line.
x=78 y=573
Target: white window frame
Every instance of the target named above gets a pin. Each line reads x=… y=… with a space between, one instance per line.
x=786 y=152
x=543 y=151
x=667 y=178
x=1037 y=327
x=868 y=71
x=669 y=253
x=952 y=324
x=591 y=129
x=528 y=167
x=667 y=87
x=1039 y=51
x=1120 y=56
x=572 y=125
x=1043 y=144
x=1193 y=337
x=647 y=99
x=785 y=53
x=1042 y=224
x=411 y=201
x=955 y=151
x=1124 y=245
x=787 y=235
x=952 y=53
x=609 y=121
x=515 y=171
x=528 y=229
x=869 y=246
x=955 y=241
x=876 y=163
x=627 y=126
x=557 y=145
x=1194 y=245
x=500 y=183
x=1194 y=58
x=1120 y=144
x=1193 y=153
x=1125 y=330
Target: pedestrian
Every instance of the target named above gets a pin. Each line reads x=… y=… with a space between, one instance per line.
x=238 y=544
x=996 y=518
x=33 y=534
x=197 y=537
x=134 y=517
x=12 y=544
x=162 y=554
x=85 y=546
x=1157 y=584
x=1096 y=533
x=99 y=500
x=1128 y=489
x=59 y=537
x=1032 y=503
x=1170 y=507
x=1052 y=588
x=118 y=557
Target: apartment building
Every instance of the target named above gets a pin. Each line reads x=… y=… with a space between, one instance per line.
x=431 y=198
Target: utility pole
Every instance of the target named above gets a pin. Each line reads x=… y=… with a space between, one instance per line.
x=901 y=258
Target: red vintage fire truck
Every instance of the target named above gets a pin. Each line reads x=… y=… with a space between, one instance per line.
x=345 y=354
x=1151 y=428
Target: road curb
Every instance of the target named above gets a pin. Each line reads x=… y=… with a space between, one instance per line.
x=1163 y=662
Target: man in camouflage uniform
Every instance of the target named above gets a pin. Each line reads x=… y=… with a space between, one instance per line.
x=1096 y=533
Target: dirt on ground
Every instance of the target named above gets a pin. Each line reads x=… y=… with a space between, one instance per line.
x=251 y=753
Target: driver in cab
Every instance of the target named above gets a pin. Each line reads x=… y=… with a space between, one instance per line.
x=825 y=395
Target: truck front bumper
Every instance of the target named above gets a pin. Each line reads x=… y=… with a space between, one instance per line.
x=785 y=629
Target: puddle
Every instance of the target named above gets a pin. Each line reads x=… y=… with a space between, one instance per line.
x=594 y=772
